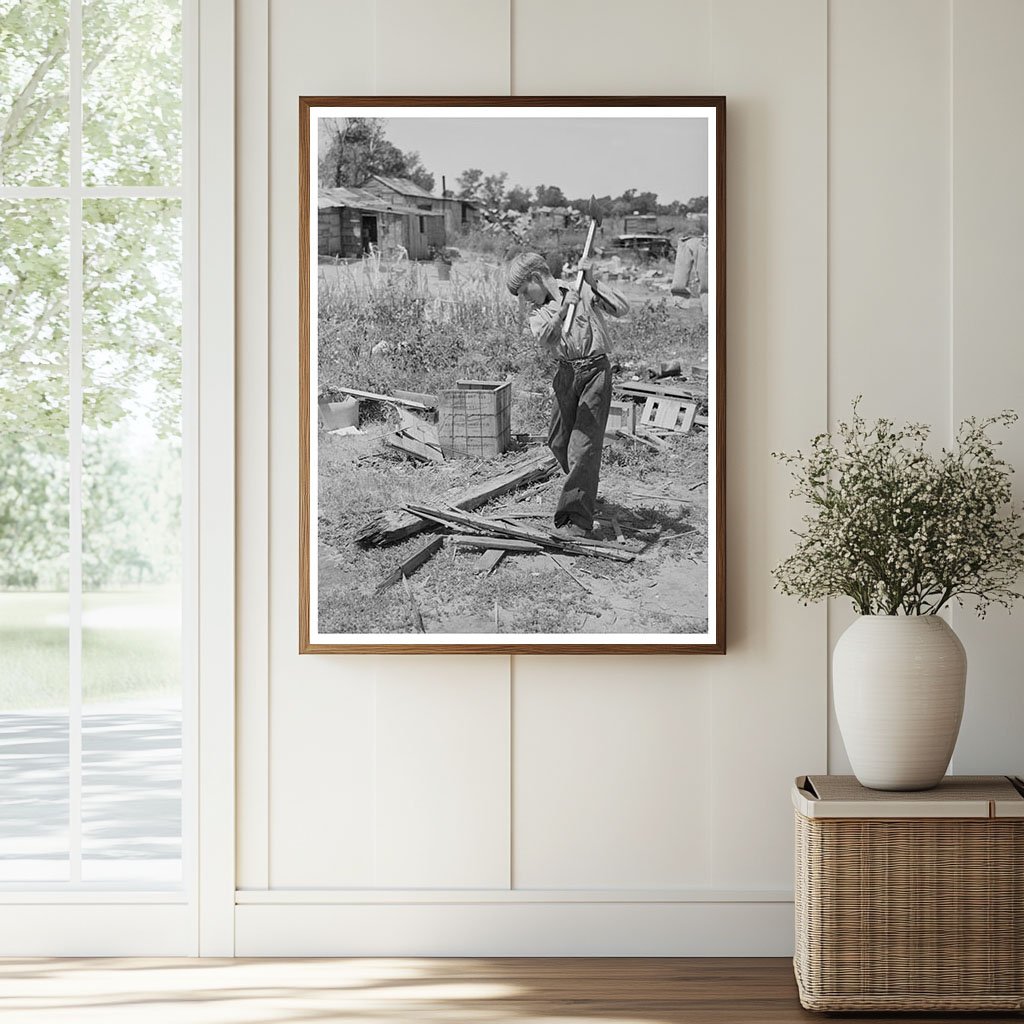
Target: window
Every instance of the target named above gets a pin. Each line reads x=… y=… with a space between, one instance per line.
x=95 y=463
x=423 y=225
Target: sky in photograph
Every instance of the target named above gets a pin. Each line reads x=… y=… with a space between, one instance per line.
x=583 y=156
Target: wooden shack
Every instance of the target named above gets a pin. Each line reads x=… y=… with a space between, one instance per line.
x=353 y=222
x=458 y=213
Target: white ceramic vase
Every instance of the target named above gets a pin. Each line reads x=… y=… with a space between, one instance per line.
x=898 y=684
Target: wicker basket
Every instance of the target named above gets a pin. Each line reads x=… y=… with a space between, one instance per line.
x=475 y=419
x=910 y=901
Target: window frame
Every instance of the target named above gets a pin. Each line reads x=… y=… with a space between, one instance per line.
x=93 y=918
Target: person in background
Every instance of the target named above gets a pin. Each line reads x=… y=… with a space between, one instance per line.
x=583 y=380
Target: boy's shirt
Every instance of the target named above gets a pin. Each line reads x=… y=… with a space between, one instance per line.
x=589 y=334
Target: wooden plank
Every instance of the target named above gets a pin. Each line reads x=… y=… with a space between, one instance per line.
x=396 y=525
x=489 y=560
x=656 y=444
x=575 y=546
x=499 y=543
x=384 y=398
x=657 y=390
x=559 y=561
x=412 y=563
x=423 y=432
x=418 y=398
x=413 y=446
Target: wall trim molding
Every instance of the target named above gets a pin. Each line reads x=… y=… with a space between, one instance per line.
x=375 y=897
x=536 y=929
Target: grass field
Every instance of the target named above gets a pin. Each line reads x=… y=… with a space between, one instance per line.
x=385 y=326
x=130 y=647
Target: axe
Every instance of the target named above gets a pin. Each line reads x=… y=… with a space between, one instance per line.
x=595 y=218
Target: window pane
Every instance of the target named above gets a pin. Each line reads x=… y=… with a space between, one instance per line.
x=131 y=92
x=33 y=540
x=131 y=541
x=33 y=92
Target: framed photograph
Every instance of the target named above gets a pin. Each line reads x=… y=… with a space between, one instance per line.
x=512 y=374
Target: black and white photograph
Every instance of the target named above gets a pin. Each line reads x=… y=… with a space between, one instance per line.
x=511 y=375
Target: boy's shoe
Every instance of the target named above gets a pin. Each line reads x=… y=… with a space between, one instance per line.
x=572 y=530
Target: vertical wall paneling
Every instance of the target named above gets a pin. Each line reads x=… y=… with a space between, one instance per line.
x=443 y=723
x=987 y=363
x=576 y=47
x=252 y=589
x=769 y=692
x=323 y=757
x=444 y=47
x=321 y=708
x=611 y=756
x=888 y=223
x=889 y=209
x=442 y=774
x=612 y=774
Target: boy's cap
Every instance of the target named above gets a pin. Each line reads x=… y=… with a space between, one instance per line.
x=525 y=265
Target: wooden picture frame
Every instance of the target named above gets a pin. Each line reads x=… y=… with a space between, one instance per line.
x=383 y=215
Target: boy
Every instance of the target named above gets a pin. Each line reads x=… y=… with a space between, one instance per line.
x=583 y=381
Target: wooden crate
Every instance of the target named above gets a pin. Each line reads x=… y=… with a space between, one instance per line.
x=475 y=419
x=621 y=416
x=910 y=901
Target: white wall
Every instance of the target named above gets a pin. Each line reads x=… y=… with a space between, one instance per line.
x=544 y=805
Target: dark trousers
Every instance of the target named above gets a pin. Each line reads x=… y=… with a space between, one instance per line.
x=583 y=395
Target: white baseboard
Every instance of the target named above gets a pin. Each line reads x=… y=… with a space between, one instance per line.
x=514 y=928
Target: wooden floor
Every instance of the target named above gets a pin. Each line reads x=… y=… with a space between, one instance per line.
x=412 y=991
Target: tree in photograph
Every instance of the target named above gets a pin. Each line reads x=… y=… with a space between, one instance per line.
x=469 y=183
x=632 y=201
x=492 y=190
x=519 y=199
x=353 y=149
x=550 y=195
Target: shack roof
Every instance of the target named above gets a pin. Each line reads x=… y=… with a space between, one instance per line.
x=408 y=187
x=360 y=199
x=405 y=186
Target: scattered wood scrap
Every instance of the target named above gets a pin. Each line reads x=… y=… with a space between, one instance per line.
x=654 y=443
x=417 y=398
x=412 y=563
x=497 y=543
x=416 y=438
x=496 y=528
x=396 y=525
x=638 y=390
x=373 y=397
x=621 y=416
x=560 y=561
x=672 y=414
x=489 y=560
